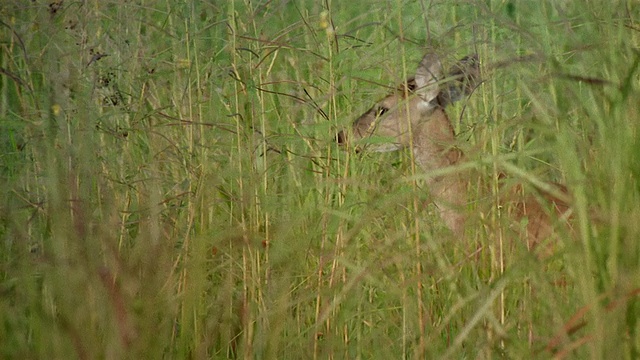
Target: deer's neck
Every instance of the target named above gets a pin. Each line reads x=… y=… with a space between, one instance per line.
x=434 y=150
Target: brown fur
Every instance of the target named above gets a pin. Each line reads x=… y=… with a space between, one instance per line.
x=414 y=116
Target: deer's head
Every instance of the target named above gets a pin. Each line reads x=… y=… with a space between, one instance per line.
x=414 y=115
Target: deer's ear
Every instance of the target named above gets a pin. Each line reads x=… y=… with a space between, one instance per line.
x=428 y=74
x=462 y=80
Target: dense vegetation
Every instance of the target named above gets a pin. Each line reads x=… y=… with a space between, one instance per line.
x=171 y=186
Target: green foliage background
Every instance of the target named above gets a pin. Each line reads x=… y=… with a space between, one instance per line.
x=171 y=187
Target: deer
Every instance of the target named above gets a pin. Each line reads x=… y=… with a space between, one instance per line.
x=414 y=116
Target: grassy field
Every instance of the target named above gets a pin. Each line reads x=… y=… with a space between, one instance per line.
x=171 y=186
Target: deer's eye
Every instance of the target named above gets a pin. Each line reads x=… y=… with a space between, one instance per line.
x=381 y=110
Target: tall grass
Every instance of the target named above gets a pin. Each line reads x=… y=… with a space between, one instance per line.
x=171 y=187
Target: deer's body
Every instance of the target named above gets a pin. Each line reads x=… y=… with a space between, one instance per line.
x=414 y=116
